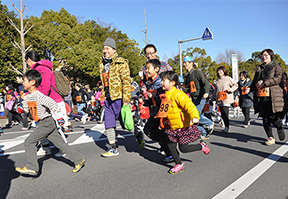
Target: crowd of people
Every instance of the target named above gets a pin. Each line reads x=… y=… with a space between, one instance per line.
x=165 y=110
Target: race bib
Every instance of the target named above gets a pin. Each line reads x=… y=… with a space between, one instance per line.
x=244 y=89
x=33 y=110
x=93 y=103
x=105 y=77
x=222 y=95
x=8 y=97
x=164 y=107
x=132 y=88
x=21 y=93
x=192 y=86
x=78 y=98
x=154 y=92
x=263 y=92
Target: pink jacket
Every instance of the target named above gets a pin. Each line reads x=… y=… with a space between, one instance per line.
x=44 y=67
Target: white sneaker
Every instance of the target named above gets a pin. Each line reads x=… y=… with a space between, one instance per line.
x=33 y=124
x=44 y=152
x=84 y=118
x=60 y=154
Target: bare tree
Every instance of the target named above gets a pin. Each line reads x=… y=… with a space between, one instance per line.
x=145 y=32
x=226 y=57
x=22 y=33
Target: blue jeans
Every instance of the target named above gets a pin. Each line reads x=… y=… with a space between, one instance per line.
x=203 y=120
x=80 y=106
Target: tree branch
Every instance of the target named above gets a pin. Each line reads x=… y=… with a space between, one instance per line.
x=15 y=7
x=14 y=69
x=12 y=24
x=28 y=29
x=28 y=48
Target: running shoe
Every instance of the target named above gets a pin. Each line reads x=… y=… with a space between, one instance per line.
x=270 y=141
x=168 y=159
x=110 y=152
x=178 y=168
x=79 y=166
x=60 y=154
x=84 y=118
x=24 y=170
x=24 y=129
x=226 y=130
x=44 y=152
x=205 y=147
x=140 y=140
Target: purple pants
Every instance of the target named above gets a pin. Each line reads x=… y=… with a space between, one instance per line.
x=112 y=110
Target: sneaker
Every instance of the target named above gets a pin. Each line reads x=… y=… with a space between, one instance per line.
x=168 y=159
x=245 y=126
x=249 y=123
x=160 y=151
x=140 y=140
x=24 y=129
x=1 y=130
x=210 y=128
x=44 y=152
x=60 y=154
x=110 y=152
x=226 y=130
x=178 y=168
x=205 y=147
x=77 y=119
x=33 y=124
x=79 y=166
x=24 y=170
x=270 y=141
x=281 y=134
x=84 y=118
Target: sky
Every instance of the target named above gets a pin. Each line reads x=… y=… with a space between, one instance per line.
x=246 y=26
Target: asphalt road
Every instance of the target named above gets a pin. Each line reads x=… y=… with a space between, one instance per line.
x=239 y=166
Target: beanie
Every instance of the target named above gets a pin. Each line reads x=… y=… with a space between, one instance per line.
x=110 y=42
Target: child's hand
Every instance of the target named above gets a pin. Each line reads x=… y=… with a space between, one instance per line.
x=149 y=95
x=195 y=120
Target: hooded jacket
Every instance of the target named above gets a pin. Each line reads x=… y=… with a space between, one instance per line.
x=44 y=67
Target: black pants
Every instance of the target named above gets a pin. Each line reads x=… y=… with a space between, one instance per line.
x=11 y=114
x=225 y=115
x=246 y=113
x=153 y=132
x=183 y=148
x=275 y=120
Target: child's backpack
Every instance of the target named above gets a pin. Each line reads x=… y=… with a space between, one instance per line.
x=62 y=84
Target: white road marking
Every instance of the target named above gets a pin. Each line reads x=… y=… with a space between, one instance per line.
x=7 y=144
x=237 y=187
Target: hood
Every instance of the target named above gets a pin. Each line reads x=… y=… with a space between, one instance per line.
x=43 y=62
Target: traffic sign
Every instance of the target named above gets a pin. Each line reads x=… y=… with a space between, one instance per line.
x=207 y=34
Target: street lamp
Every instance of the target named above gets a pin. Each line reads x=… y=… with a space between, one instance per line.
x=206 y=36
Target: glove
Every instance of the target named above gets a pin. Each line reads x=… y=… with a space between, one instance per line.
x=61 y=121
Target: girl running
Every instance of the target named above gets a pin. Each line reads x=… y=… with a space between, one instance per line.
x=179 y=114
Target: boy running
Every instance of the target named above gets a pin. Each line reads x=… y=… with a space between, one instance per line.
x=40 y=107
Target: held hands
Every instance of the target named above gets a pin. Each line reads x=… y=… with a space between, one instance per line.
x=61 y=121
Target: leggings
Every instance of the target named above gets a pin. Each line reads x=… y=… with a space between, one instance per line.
x=183 y=148
x=275 y=120
x=225 y=114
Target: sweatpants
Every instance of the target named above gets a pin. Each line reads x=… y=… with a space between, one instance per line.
x=47 y=129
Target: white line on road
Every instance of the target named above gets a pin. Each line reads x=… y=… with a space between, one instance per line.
x=237 y=187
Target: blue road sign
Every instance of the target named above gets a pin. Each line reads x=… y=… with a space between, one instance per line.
x=207 y=34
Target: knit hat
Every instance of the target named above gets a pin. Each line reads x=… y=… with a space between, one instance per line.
x=110 y=42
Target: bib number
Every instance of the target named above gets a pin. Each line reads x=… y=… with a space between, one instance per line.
x=164 y=107
x=222 y=95
x=78 y=98
x=244 y=89
x=263 y=92
x=33 y=110
x=192 y=86
x=105 y=77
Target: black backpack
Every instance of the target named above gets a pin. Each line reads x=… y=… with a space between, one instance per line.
x=62 y=84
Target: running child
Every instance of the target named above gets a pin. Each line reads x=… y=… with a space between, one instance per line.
x=181 y=115
x=40 y=107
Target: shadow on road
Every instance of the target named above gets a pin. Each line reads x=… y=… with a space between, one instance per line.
x=7 y=174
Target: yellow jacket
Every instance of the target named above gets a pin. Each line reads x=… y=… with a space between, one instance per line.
x=119 y=79
x=181 y=110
